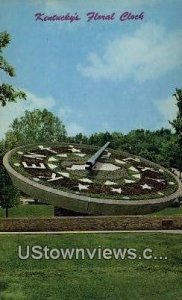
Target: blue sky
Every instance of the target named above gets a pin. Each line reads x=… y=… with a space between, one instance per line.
x=98 y=75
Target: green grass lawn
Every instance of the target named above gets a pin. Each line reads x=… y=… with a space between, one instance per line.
x=92 y=279
x=29 y=211
x=34 y=211
x=169 y=211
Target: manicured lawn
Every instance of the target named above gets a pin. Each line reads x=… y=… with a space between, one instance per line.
x=29 y=211
x=34 y=211
x=169 y=211
x=92 y=279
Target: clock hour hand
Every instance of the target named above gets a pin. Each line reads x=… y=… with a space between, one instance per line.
x=93 y=159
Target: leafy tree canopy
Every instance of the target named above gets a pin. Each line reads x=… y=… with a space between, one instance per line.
x=177 y=122
x=7 y=92
x=35 y=127
x=177 y=125
x=9 y=195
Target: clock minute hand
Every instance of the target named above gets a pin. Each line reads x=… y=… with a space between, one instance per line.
x=93 y=159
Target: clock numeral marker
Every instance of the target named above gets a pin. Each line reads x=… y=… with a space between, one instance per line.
x=131 y=158
x=52 y=166
x=52 y=159
x=33 y=166
x=133 y=169
x=116 y=190
x=74 y=150
x=51 y=178
x=157 y=180
x=62 y=155
x=83 y=187
x=160 y=193
x=137 y=176
x=34 y=155
x=146 y=187
x=129 y=181
x=86 y=180
x=36 y=179
x=108 y=182
x=47 y=148
x=118 y=161
x=80 y=154
x=149 y=169
x=65 y=174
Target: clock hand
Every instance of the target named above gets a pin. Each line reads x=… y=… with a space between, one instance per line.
x=93 y=159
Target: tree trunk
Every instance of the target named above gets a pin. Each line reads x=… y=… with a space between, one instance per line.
x=7 y=214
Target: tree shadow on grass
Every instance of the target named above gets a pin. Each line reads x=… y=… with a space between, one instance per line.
x=10 y=292
x=3 y=286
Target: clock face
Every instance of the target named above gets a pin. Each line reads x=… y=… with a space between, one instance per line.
x=116 y=175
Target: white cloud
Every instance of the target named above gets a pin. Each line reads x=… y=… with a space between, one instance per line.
x=65 y=112
x=82 y=5
x=74 y=128
x=168 y=109
x=105 y=126
x=14 y=110
x=145 y=54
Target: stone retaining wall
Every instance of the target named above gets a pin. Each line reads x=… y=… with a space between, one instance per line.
x=91 y=223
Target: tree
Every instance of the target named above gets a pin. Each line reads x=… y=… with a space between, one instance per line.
x=100 y=138
x=116 y=140
x=80 y=139
x=9 y=198
x=177 y=122
x=177 y=125
x=9 y=195
x=7 y=92
x=35 y=127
